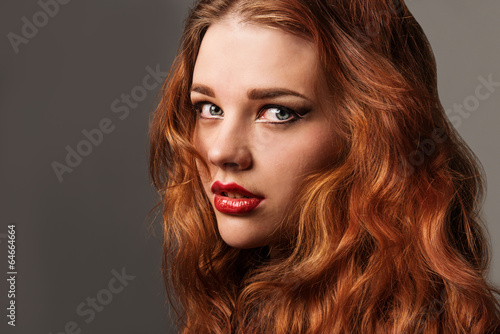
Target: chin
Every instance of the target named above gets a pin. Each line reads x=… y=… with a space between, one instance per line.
x=241 y=242
x=237 y=235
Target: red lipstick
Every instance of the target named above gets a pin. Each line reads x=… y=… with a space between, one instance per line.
x=225 y=202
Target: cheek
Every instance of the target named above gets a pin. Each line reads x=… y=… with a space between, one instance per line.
x=288 y=165
x=304 y=153
x=200 y=146
x=197 y=142
x=323 y=150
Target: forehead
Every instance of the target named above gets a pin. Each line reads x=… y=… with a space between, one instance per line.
x=234 y=54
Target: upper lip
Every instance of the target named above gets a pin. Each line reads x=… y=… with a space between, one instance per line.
x=218 y=188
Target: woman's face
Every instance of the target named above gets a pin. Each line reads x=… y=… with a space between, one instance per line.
x=259 y=126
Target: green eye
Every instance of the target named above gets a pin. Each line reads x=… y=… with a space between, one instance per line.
x=277 y=114
x=208 y=110
x=214 y=110
x=281 y=114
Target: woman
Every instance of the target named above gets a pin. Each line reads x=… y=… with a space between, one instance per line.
x=310 y=181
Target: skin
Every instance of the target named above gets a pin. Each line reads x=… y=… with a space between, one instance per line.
x=242 y=139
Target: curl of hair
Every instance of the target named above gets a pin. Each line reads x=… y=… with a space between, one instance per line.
x=388 y=241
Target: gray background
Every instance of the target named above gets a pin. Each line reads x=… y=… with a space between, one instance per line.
x=72 y=234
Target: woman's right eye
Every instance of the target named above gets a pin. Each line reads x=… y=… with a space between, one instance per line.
x=208 y=110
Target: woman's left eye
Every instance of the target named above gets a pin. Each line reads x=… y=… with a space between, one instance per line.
x=277 y=114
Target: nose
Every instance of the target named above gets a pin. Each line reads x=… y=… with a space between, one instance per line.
x=230 y=148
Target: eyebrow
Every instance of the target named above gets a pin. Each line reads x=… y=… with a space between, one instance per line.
x=253 y=94
x=202 y=89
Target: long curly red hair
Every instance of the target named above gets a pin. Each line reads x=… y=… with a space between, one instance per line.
x=388 y=241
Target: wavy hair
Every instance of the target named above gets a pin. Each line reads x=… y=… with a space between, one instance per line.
x=388 y=241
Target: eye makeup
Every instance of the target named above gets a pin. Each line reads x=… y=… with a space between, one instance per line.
x=277 y=111
x=277 y=114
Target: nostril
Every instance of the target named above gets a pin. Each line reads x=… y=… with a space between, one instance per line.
x=230 y=155
x=231 y=165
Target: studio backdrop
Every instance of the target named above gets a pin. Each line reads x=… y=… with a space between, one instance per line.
x=78 y=82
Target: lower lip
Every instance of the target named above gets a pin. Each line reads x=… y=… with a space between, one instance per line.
x=235 y=206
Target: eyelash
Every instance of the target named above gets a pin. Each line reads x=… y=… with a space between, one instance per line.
x=295 y=116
